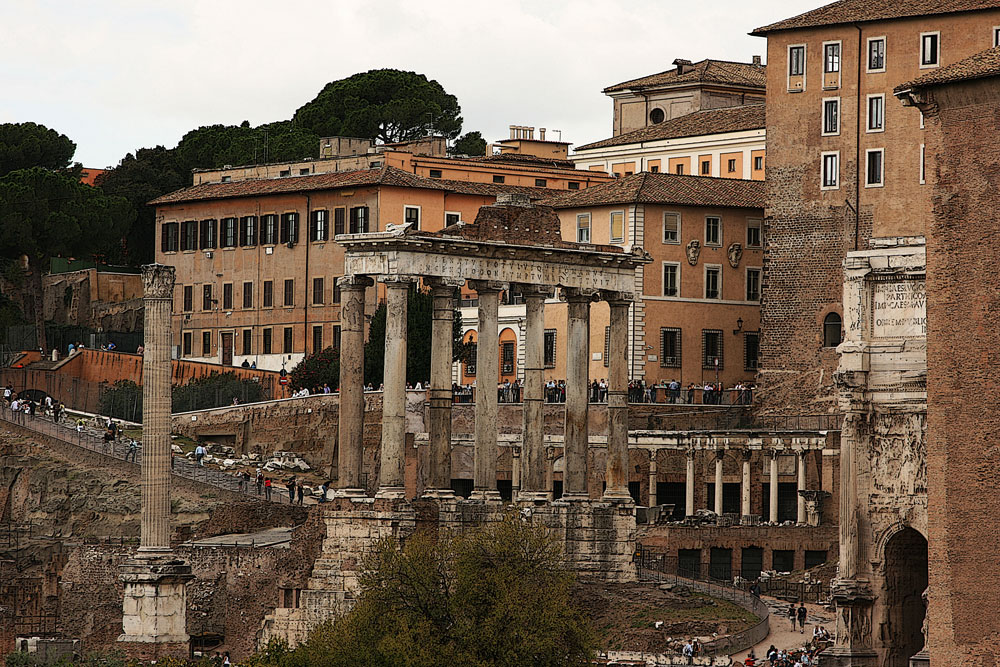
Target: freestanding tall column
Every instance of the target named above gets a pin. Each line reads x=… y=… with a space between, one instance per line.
x=351 y=418
x=689 y=485
x=800 y=460
x=533 y=441
x=616 y=474
x=394 y=391
x=652 y=477
x=745 y=485
x=155 y=597
x=773 y=488
x=439 y=458
x=576 y=438
x=718 y=481
x=487 y=377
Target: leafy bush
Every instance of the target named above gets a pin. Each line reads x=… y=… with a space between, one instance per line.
x=316 y=370
x=122 y=400
x=215 y=390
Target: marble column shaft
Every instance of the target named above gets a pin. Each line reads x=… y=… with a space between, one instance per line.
x=718 y=482
x=158 y=294
x=576 y=438
x=800 y=461
x=745 y=486
x=440 y=392
x=689 y=485
x=394 y=392
x=773 y=488
x=533 y=440
x=350 y=424
x=652 y=478
x=487 y=377
x=616 y=473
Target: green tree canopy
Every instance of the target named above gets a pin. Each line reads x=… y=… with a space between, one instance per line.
x=386 y=105
x=215 y=146
x=470 y=143
x=26 y=145
x=316 y=370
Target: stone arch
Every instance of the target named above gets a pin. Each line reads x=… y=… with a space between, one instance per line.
x=508 y=355
x=468 y=373
x=904 y=568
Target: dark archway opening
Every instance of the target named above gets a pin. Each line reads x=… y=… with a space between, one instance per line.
x=905 y=582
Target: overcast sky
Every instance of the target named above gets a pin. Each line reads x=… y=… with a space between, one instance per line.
x=119 y=75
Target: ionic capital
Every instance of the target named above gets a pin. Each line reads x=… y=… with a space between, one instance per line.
x=481 y=286
x=354 y=282
x=443 y=286
x=535 y=291
x=618 y=298
x=398 y=280
x=579 y=294
x=158 y=281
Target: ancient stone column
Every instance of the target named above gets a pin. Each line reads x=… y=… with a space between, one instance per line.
x=745 y=485
x=394 y=391
x=773 y=513
x=616 y=472
x=576 y=438
x=351 y=418
x=689 y=485
x=533 y=430
x=652 y=477
x=440 y=393
x=800 y=464
x=487 y=377
x=718 y=481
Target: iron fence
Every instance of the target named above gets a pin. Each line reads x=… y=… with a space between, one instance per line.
x=59 y=337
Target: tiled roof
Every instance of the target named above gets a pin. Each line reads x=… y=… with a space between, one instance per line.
x=709 y=121
x=859 y=11
x=705 y=71
x=492 y=189
x=979 y=66
x=660 y=188
x=523 y=158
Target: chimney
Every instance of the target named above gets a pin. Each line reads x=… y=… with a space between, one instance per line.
x=541 y=134
x=756 y=61
x=513 y=129
x=683 y=66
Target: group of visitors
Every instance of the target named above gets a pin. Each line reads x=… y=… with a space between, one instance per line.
x=249 y=364
x=510 y=392
x=296 y=491
x=784 y=658
x=306 y=391
x=21 y=406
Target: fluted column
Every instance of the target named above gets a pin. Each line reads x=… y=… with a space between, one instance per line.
x=745 y=485
x=718 y=481
x=394 y=392
x=577 y=394
x=157 y=301
x=487 y=376
x=800 y=460
x=773 y=510
x=652 y=477
x=351 y=418
x=439 y=392
x=616 y=473
x=533 y=430
x=689 y=484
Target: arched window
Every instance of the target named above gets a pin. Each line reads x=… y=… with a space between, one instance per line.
x=831 y=330
x=656 y=116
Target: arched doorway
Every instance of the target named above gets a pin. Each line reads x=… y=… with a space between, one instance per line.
x=469 y=365
x=905 y=582
x=508 y=355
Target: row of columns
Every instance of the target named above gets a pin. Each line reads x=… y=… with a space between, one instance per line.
x=532 y=474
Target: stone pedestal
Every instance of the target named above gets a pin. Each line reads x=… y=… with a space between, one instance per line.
x=154 y=607
x=921 y=659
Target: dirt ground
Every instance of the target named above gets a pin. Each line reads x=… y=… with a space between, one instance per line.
x=625 y=616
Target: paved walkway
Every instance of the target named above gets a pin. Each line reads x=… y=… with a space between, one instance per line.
x=781 y=634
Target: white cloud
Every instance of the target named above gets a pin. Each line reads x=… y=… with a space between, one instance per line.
x=120 y=75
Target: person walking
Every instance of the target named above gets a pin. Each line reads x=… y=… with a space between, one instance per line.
x=290 y=484
x=802 y=613
x=260 y=481
x=301 y=493
x=791 y=616
x=199 y=455
x=133 y=448
x=267 y=488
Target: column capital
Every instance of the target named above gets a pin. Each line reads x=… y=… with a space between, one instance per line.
x=618 y=298
x=536 y=291
x=441 y=285
x=481 y=286
x=578 y=294
x=398 y=280
x=720 y=454
x=158 y=281
x=690 y=454
x=354 y=282
x=745 y=454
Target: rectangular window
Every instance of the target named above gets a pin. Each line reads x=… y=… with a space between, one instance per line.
x=758 y=162
x=229 y=233
x=654 y=169
x=206 y=343
x=186 y=344
x=930 y=49
x=208 y=234
x=706 y=167
x=248 y=295
x=831 y=58
x=996 y=36
x=671 y=279
x=206 y=297
x=550 y=348
x=319 y=226
x=268 y=229
x=753 y=284
x=248 y=231
x=876 y=113
x=265 y=341
x=831 y=116
x=435 y=173
x=317 y=291
x=336 y=292
x=573 y=185
x=359 y=220
x=506 y=358
x=830 y=178
x=753 y=232
x=267 y=300
x=617 y=226
x=188 y=298
x=339 y=215
x=583 y=228
x=751 y=350
x=287 y=340
x=289 y=228
x=227 y=296
x=411 y=216
x=923 y=173
x=335 y=343
x=874 y=167
x=169 y=234
x=289 y=292
x=470 y=361
x=713 y=230
x=711 y=349
x=317 y=338
x=451 y=218
x=247 y=342
x=731 y=166
x=876 y=54
x=670 y=347
x=540 y=183
x=671 y=227
x=498 y=179
x=713 y=282
x=679 y=168
x=796 y=60
x=189 y=235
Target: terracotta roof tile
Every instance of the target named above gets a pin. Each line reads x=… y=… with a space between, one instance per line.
x=860 y=11
x=979 y=66
x=660 y=188
x=493 y=189
x=710 y=121
x=705 y=71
